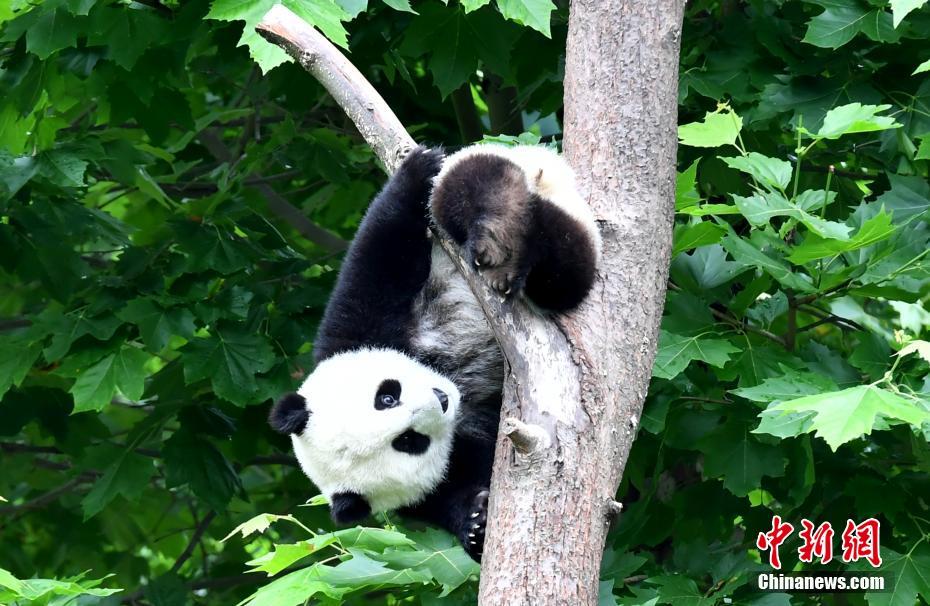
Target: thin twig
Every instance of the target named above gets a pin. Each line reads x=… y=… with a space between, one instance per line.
x=746 y=326
x=276 y=202
x=46 y=498
x=195 y=539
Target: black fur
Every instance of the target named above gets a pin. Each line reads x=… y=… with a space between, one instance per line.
x=289 y=414
x=348 y=508
x=411 y=442
x=563 y=260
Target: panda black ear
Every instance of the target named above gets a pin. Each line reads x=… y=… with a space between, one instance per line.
x=348 y=508
x=289 y=414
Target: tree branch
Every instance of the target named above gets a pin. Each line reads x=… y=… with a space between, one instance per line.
x=276 y=202
x=195 y=539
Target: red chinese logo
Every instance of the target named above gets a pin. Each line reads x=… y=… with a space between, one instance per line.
x=861 y=541
x=773 y=539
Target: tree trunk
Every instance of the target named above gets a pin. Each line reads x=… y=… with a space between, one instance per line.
x=549 y=516
x=575 y=384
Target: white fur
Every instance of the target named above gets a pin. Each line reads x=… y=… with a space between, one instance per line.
x=346 y=446
x=547 y=174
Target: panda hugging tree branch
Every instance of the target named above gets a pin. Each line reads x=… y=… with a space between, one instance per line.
x=518 y=330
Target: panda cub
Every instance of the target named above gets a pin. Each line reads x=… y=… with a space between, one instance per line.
x=402 y=409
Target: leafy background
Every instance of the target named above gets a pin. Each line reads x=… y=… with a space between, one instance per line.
x=174 y=199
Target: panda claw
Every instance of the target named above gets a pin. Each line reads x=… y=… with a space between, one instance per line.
x=475 y=514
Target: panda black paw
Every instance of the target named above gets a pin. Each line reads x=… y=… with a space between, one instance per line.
x=496 y=260
x=421 y=164
x=472 y=535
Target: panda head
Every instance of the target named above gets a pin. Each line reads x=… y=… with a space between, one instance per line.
x=372 y=428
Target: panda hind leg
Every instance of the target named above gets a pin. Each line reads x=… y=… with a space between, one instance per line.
x=564 y=253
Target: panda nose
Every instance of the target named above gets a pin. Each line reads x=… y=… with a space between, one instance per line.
x=443 y=398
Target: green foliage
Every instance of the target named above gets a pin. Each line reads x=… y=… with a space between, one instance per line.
x=15 y=591
x=160 y=285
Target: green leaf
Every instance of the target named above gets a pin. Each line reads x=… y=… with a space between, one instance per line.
x=784 y=424
x=157 y=325
x=692 y=236
x=126 y=34
x=62 y=168
x=68 y=328
x=707 y=267
x=677 y=351
x=843 y=416
x=400 y=5
x=923 y=67
x=839 y=23
x=909 y=576
x=15 y=172
x=741 y=460
x=907 y=198
x=923 y=152
x=455 y=42
x=746 y=254
x=193 y=460
x=473 y=5
x=686 y=194
x=121 y=372
x=855 y=118
x=900 y=9
x=17 y=355
x=532 y=13
x=921 y=348
x=760 y=208
x=874 y=230
x=773 y=174
x=791 y=385
x=230 y=359
x=56 y=28
x=721 y=127
x=332 y=581
x=679 y=590
x=259 y=523
x=43 y=591
x=127 y=476
x=440 y=555
x=326 y=15
x=214 y=249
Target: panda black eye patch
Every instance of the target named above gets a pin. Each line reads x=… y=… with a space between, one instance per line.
x=388 y=394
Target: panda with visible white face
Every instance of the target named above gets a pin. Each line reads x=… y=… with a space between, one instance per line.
x=402 y=409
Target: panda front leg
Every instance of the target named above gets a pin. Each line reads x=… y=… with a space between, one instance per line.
x=386 y=265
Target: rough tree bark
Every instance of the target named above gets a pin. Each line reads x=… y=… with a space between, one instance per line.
x=575 y=384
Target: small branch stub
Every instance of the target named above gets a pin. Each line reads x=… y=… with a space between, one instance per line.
x=613 y=509
x=527 y=439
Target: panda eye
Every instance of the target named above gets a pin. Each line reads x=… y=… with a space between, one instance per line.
x=388 y=394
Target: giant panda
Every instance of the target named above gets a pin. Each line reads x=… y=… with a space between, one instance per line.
x=402 y=409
